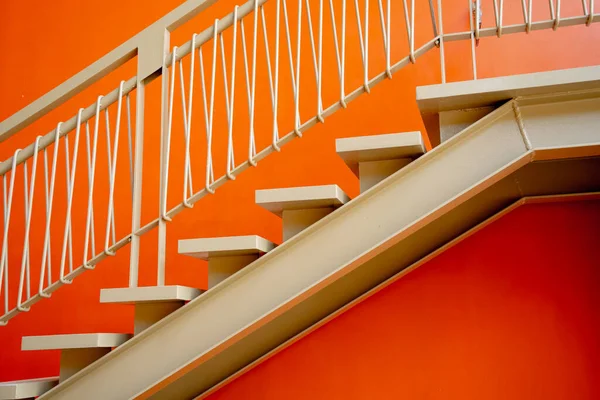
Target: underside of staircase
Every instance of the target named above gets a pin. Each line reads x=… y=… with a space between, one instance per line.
x=502 y=140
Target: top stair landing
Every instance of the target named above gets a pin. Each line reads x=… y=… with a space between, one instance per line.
x=449 y=108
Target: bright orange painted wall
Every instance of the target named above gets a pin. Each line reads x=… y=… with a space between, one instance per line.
x=46 y=43
x=509 y=313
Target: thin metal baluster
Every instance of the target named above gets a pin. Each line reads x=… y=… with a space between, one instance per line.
x=129 y=140
x=111 y=198
x=477 y=18
x=408 y=29
x=230 y=153
x=343 y=60
x=89 y=165
x=91 y=177
x=71 y=186
x=269 y=71
x=472 y=43
x=360 y=33
x=276 y=89
x=109 y=163
x=48 y=220
x=4 y=260
x=297 y=94
x=187 y=165
x=366 y=84
x=320 y=76
x=524 y=8
x=585 y=7
x=187 y=173
x=167 y=150
x=529 y=16
x=413 y=59
x=212 y=104
x=442 y=55
x=590 y=15
x=388 y=67
x=557 y=19
x=252 y=142
x=7 y=212
x=499 y=33
x=26 y=258
x=312 y=44
x=289 y=46
x=209 y=169
x=335 y=38
x=47 y=239
x=69 y=237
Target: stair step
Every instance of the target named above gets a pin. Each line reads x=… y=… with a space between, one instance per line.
x=152 y=303
x=74 y=341
x=26 y=389
x=148 y=294
x=77 y=350
x=204 y=248
x=300 y=207
x=225 y=255
x=374 y=158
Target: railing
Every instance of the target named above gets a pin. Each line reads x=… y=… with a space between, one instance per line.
x=225 y=51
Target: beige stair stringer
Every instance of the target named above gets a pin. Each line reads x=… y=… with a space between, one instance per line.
x=576 y=197
x=395 y=223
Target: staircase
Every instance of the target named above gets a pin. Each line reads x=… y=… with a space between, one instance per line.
x=501 y=140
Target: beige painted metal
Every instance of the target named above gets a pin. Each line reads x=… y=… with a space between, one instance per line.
x=379 y=147
x=147 y=314
x=300 y=198
x=300 y=207
x=221 y=268
x=295 y=221
x=447 y=109
x=343 y=255
x=151 y=303
x=225 y=255
x=148 y=294
x=203 y=248
x=74 y=360
x=26 y=389
x=453 y=122
x=73 y=341
x=374 y=158
x=371 y=173
x=578 y=197
x=77 y=350
x=492 y=91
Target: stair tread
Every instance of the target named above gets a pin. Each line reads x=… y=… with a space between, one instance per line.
x=380 y=147
x=25 y=389
x=148 y=294
x=73 y=341
x=432 y=99
x=204 y=248
x=299 y=198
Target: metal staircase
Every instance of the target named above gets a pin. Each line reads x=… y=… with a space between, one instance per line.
x=498 y=148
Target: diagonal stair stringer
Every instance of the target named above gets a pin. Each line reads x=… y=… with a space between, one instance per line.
x=403 y=218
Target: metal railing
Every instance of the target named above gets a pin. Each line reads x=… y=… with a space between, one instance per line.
x=289 y=38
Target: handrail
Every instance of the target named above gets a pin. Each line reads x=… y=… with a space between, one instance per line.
x=151 y=47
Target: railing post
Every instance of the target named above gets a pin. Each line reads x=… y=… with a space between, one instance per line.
x=150 y=60
x=164 y=166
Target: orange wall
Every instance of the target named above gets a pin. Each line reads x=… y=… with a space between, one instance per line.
x=509 y=313
x=46 y=43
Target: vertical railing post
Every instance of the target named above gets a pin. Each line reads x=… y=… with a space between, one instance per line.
x=150 y=60
x=136 y=206
x=164 y=168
